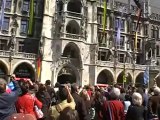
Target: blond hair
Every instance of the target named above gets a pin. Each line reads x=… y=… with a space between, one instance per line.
x=156 y=90
x=137 y=98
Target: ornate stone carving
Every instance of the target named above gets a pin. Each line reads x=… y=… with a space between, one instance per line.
x=60 y=63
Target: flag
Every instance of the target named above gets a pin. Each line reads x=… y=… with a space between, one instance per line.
x=124 y=74
x=104 y=15
x=39 y=60
x=146 y=75
x=31 y=17
x=139 y=16
x=135 y=43
x=118 y=39
x=38 y=67
x=2 y=12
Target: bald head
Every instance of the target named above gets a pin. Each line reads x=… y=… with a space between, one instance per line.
x=3 y=84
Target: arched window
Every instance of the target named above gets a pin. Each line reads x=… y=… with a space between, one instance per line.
x=73 y=27
x=152 y=32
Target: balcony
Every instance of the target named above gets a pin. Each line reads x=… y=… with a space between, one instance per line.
x=121 y=65
x=73 y=15
x=18 y=55
x=70 y=36
x=25 y=55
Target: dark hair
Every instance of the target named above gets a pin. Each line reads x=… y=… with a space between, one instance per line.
x=122 y=90
x=48 y=82
x=74 y=87
x=68 y=114
x=63 y=93
x=24 y=86
x=42 y=88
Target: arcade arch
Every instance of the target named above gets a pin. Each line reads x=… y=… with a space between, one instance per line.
x=105 y=77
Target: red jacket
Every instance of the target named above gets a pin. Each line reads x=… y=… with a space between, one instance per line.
x=25 y=104
x=116 y=108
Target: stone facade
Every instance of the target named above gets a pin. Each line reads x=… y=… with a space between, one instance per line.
x=72 y=31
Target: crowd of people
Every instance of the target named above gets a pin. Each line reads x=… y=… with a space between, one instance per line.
x=32 y=101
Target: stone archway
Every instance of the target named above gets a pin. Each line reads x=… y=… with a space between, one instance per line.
x=72 y=52
x=67 y=75
x=128 y=78
x=74 y=6
x=24 y=70
x=3 y=70
x=139 y=80
x=105 y=77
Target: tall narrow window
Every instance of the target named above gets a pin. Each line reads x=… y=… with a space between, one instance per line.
x=133 y=26
x=122 y=41
x=99 y=17
x=25 y=7
x=152 y=32
x=24 y=27
x=5 y=25
x=21 y=46
x=3 y=44
x=156 y=32
x=145 y=29
x=116 y=23
x=157 y=50
x=138 y=59
x=122 y=24
x=121 y=58
x=139 y=45
x=8 y=4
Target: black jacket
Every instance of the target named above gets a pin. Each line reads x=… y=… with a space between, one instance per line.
x=44 y=97
x=80 y=107
x=136 y=113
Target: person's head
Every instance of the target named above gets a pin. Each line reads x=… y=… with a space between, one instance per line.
x=137 y=98
x=48 y=82
x=122 y=90
x=42 y=88
x=115 y=93
x=85 y=95
x=68 y=114
x=13 y=76
x=156 y=91
x=3 y=84
x=24 y=86
x=74 y=88
x=63 y=93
